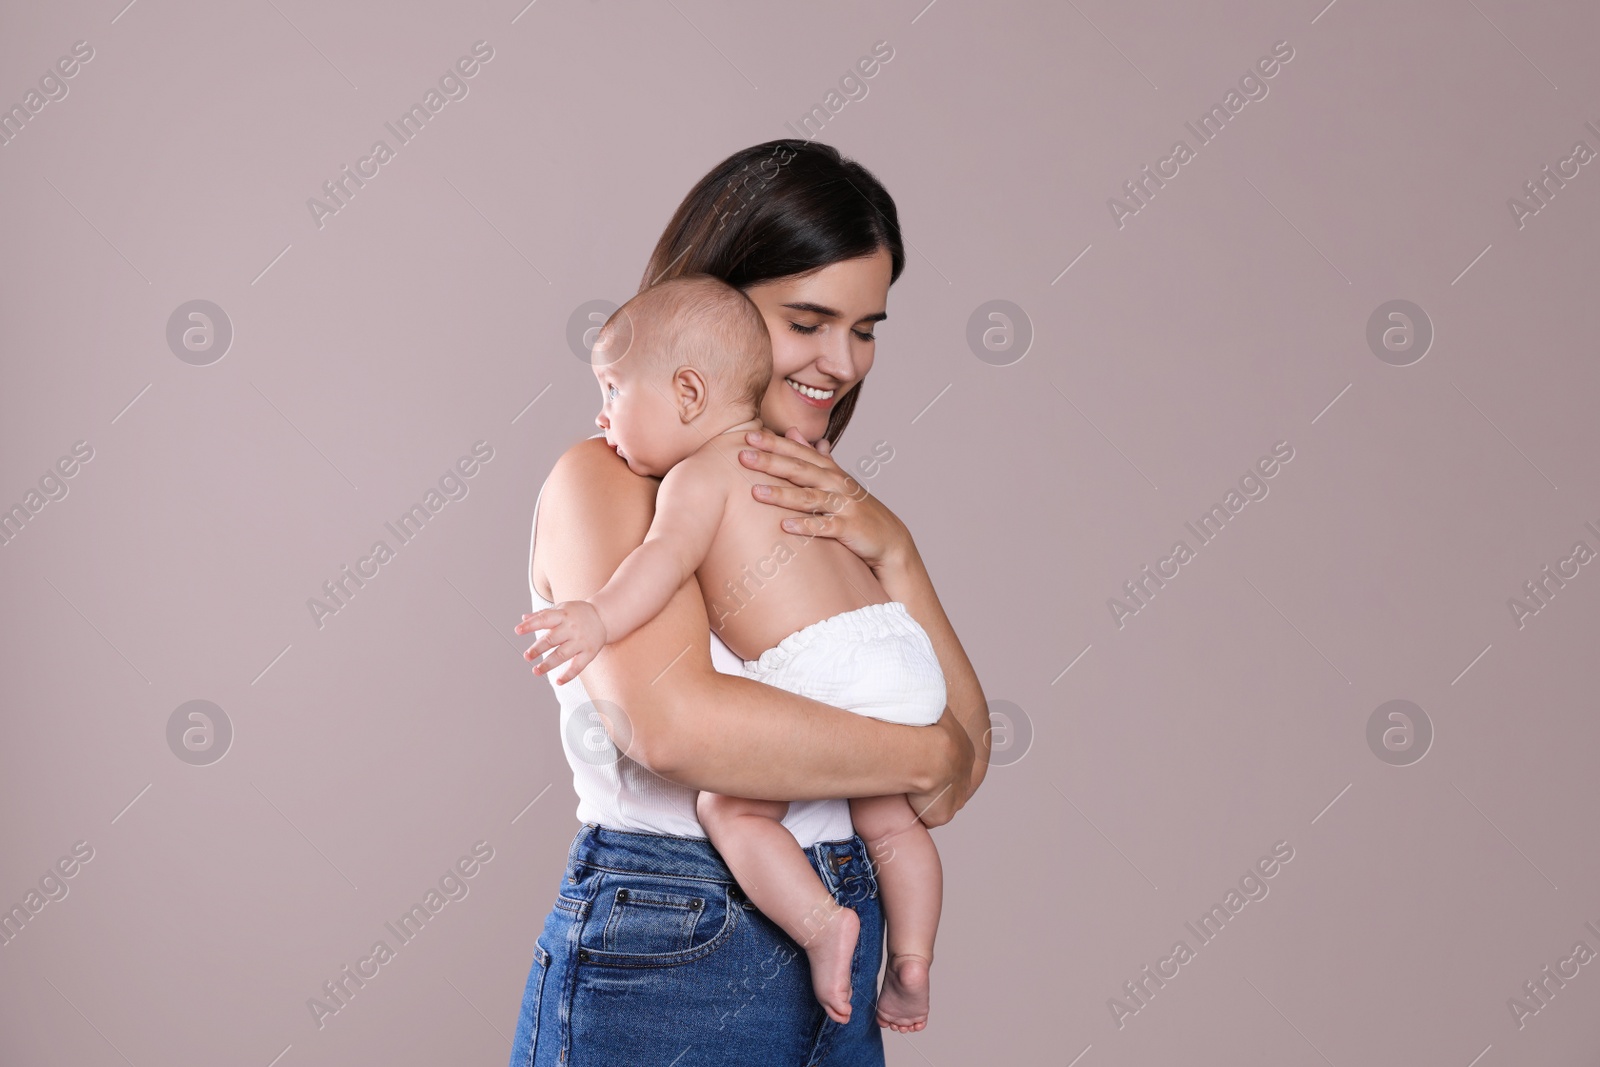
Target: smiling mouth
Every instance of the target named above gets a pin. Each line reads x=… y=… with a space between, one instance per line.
x=811 y=394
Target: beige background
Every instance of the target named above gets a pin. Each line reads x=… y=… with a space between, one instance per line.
x=1229 y=314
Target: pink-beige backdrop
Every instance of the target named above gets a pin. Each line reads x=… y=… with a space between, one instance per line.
x=1350 y=325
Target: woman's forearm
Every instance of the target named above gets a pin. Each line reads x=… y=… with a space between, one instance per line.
x=768 y=744
x=728 y=734
x=905 y=578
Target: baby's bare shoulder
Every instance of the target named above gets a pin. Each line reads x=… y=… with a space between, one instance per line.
x=726 y=448
x=718 y=460
x=702 y=477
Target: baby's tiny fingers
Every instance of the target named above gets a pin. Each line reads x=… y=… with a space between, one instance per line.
x=579 y=662
x=552 y=659
x=539 y=620
x=548 y=641
x=556 y=658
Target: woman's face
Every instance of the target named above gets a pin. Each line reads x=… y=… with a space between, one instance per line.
x=822 y=338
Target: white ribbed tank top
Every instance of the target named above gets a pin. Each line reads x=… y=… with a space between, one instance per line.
x=618 y=792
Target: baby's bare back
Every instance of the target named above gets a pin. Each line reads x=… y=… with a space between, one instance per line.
x=761 y=583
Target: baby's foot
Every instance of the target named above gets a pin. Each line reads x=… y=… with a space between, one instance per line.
x=830 y=951
x=903 y=1002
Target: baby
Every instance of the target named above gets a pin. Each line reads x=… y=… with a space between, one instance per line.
x=682 y=368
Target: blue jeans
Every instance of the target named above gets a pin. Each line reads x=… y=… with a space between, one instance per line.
x=653 y=956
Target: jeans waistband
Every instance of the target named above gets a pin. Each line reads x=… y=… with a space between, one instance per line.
x=841 y=862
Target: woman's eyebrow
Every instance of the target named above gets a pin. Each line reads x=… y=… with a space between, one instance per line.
x=827 y=312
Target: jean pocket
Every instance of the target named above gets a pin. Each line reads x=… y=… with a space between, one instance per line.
x=650 y=921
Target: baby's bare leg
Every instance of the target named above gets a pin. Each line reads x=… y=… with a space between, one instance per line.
x=912 y=880
x=773 y=872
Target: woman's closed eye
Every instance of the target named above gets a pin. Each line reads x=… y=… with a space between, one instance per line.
x=797 y=328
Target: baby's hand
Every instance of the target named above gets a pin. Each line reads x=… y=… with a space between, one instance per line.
x=575 y=632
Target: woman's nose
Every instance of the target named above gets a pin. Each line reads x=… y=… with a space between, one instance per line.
x=836 y=360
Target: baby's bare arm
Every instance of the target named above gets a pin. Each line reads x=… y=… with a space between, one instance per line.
x=689 y=510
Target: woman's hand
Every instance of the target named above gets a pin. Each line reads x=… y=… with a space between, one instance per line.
x=837 y=505
x=939 y=805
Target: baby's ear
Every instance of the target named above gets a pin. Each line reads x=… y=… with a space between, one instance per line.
x=691 y=392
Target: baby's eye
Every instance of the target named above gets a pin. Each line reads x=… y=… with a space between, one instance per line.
x=611 y=392
x=797 y=328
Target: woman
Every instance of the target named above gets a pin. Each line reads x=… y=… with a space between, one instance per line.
x=651 y=954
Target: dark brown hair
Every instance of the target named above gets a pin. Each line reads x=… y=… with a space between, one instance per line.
x=778 y=209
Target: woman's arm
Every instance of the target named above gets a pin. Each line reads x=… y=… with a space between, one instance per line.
x=842 y=509
x=691 y=723
x=689 y=506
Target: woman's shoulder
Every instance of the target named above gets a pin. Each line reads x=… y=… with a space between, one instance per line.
x=592 y=489
x=591 y=465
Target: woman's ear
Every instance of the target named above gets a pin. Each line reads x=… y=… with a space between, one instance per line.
x=690 y=394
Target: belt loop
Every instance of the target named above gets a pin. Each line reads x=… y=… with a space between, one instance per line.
x=820 y=851
x=580 y=840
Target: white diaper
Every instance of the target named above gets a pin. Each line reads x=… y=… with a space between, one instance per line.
x=875 y=661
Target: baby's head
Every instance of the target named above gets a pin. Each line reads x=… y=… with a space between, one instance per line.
x=682 y=361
